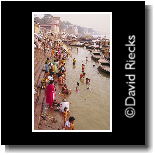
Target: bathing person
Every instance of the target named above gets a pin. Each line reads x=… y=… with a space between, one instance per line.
x=74 y=61
x=82 y=75
x=86 y=60
x=65 y=90
x=77 y=87
x=87 y=82
x=83 y=67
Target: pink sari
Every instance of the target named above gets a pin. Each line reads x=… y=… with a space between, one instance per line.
x=50 y=94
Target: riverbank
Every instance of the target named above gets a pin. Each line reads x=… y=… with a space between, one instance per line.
x=45 y=118
x=91 y=108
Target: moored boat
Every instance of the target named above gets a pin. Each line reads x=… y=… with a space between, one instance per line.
x=78 y=44
x=104 y=68
x=96 y=55
x=104 y=61
x=89 y=47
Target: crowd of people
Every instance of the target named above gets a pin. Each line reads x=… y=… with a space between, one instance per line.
x=55 y=74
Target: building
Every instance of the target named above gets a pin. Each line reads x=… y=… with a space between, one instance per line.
x=36 y=28
x=72 y=30
x=55 y=25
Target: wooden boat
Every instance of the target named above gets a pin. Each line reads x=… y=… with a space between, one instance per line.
x=90 y=50
x=78 y=44
x=104 y=68
x=93 y=47
x=89 y=47
x=104 y=61
x=96 y=55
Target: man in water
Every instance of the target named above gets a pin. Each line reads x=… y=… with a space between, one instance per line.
x=74 y=60
x=77 y=87
x=87 y=82
x=83 y=67
x=86 y=60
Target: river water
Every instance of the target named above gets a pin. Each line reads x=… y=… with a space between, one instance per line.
x=90 y=107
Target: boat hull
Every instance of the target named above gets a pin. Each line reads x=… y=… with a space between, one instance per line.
x=101 y=68
x=95 y=58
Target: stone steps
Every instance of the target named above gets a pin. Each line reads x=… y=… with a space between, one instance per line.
x=38 y=109
x=39 y=62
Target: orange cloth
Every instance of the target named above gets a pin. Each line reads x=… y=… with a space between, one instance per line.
x=71 y=126
x=52 y=52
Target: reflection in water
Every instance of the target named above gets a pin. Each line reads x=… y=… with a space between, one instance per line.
x=90 y=107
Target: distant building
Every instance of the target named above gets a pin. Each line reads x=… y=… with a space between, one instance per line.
x=47 y=26
x=36 y=28
x=55 y=25
x=72 y=30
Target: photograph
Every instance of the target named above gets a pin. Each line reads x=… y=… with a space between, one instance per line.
x=71 y=69
x=81 y=74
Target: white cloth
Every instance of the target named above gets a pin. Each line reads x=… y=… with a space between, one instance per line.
x=63 y=105
x=51 y=64
x=50 y=78
x=67 y=124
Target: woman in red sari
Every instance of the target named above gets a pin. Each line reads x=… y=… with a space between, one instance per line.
x=50 y=94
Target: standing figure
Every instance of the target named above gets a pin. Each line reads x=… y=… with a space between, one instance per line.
x=83 y=67
x=74 y=61
x=46 y=67
x=86 y=60
x=77 y=87
x=50 y=94
x=82 y=75
x=87 y=82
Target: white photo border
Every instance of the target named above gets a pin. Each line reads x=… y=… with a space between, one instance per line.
x=110 y=13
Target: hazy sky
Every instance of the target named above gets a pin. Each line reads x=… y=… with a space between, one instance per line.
x=99 y=22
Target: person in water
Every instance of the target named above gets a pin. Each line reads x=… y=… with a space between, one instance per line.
x=74 y=61
x=86 y=60
x=65 y=90
x=82 y=76
x=87 y=82
x=77 y=87
x=83 y=67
